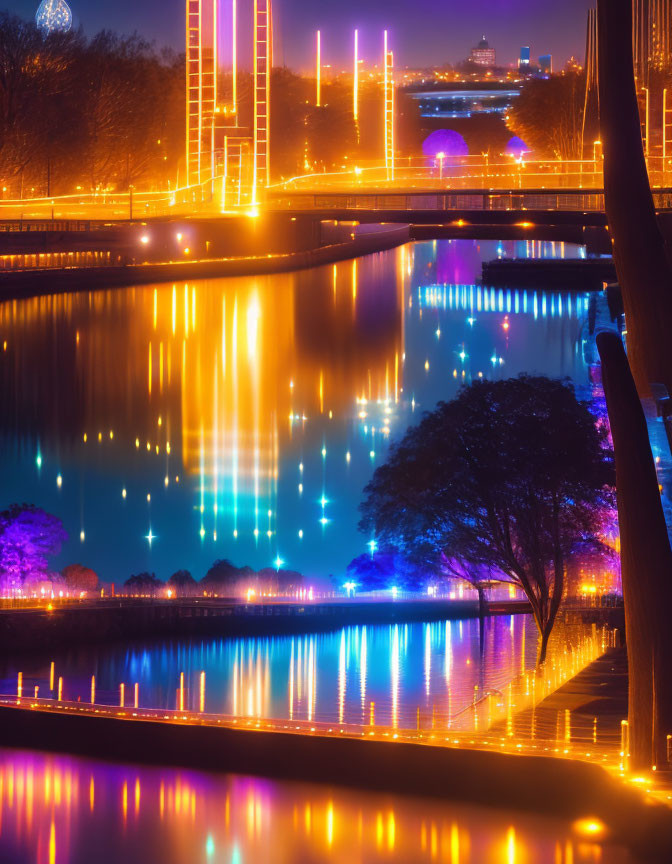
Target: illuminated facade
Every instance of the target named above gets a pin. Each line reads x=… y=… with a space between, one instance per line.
x=482 y=54
x=219 y=150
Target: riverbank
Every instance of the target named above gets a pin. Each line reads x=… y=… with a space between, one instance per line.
x=15 y=284
x=36 y=629
x=560 y=787
x=40 y=628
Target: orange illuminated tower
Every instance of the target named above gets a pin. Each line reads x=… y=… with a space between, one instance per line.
x=388 y=85
x=263 y=63
x=217 y=146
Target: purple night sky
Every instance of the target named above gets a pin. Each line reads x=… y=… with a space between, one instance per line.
x=423 y=32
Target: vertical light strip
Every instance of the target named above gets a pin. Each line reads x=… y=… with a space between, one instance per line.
x=255 y=84
x=188 y=79
x=269 y=70
x=355 y=80
x=318 y=70
x=215 y=54
x=200 y=85
x=234 y=57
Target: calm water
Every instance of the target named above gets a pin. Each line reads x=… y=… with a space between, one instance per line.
x=332 y=677
x=59 y=810
x=170 y=426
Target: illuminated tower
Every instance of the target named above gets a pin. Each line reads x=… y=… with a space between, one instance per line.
x=388 y=87
x=53 y=15
x=591 y=108
x=263 y=63
x=216 y=145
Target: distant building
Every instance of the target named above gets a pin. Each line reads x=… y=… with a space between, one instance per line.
x=524 y=59
x=546 y=64
x=483 y=54
x=463 y=99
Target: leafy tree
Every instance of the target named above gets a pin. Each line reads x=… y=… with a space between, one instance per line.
x=224 y=577
x=548 y=115
x=98 y=113
x=28 y=538
x=143 y=583
x=508 y=478
x=183 y=583
x=330 y=133
x=290 y=95
x=385 y=569
x=79 y=578
x=278 y=581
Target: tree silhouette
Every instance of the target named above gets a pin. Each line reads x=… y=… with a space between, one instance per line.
x=548 y=115
x=183 y=583
x=143 y=583
x=507 y=479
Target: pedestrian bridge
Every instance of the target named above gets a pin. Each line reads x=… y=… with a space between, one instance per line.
x=525 y=208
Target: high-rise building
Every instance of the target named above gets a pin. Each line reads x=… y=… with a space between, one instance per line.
x=482 y=54
x=546 y=64
x=524 y=59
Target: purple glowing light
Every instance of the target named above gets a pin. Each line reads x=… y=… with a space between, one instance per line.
x=516 y=147
x=445 y=141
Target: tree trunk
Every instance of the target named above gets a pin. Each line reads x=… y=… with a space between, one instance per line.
x=646 y=562
x=641 y=259
x=545 y=633
x=481 y=619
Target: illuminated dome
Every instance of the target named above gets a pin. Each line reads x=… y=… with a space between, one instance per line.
x=516 y=147
x=445 y=141
x=53 y=15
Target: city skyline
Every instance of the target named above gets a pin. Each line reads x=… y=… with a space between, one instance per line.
x=426 y=35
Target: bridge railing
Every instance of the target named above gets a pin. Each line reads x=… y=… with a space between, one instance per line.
x=571 y=200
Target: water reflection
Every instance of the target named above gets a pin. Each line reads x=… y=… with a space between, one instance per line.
x=389 y=673
x=171 y=425
x=59 y=810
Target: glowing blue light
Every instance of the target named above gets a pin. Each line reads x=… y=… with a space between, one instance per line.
x=278 y=562
x=150 y=537
x=38 y=460
x=324 y=520
x=324 y=501
x=372 y=546
x=210 y=846
x=349 y=588
x=53 y=15
x=324 y=452
x=470 y=321
x=462 y=355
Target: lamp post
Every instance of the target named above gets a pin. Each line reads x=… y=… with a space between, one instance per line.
x=441 y=156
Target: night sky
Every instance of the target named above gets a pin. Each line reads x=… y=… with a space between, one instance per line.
x=424 y=32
